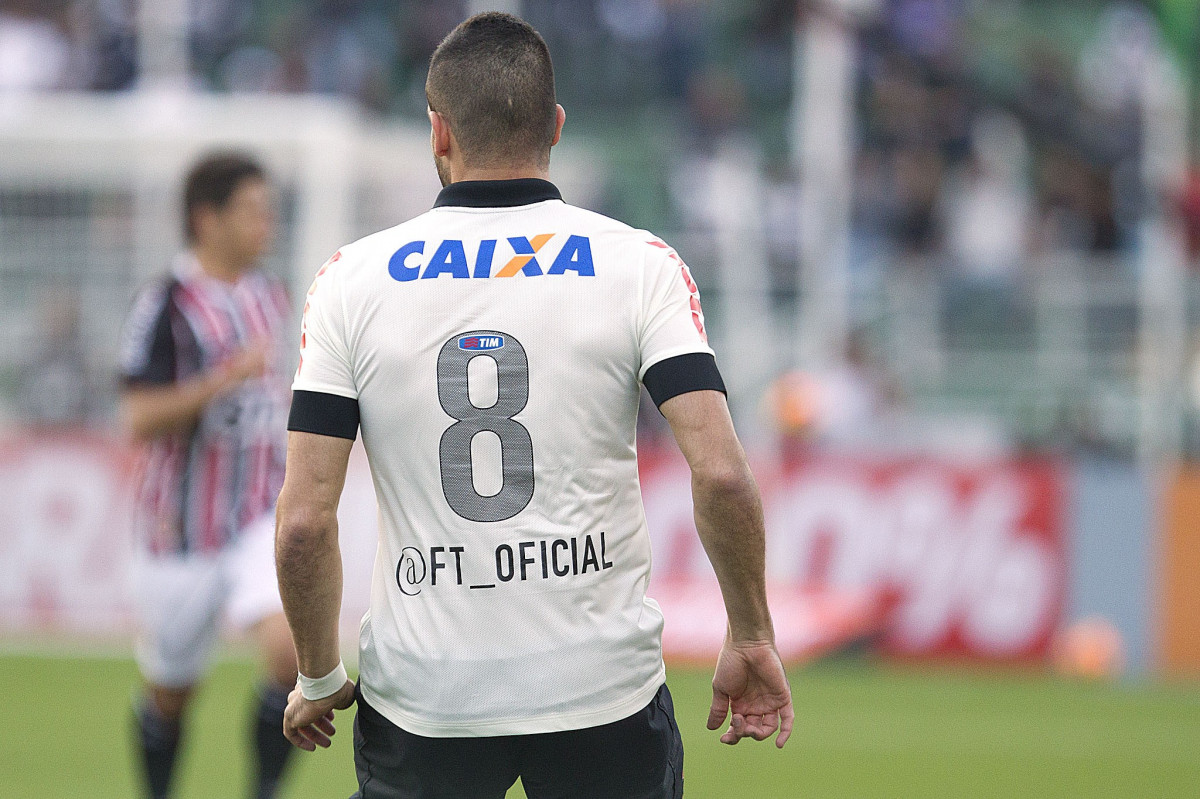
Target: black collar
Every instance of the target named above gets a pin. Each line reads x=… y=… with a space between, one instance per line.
x=497 y=193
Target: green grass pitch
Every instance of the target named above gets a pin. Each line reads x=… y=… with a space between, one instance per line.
x=860 y=732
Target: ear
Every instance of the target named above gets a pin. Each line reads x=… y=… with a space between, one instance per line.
x=440 y=134
x=560 y=117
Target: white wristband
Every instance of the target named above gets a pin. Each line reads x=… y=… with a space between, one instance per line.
x=313 y=688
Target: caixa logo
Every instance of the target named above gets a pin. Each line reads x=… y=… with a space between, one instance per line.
x=450 y=258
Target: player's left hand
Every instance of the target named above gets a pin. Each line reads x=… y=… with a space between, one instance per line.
x=750 y=682
x=308 y=723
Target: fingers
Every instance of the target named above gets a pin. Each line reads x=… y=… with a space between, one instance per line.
x=756 y=727
x=325 y=724
x=315 y=736
x=786 y=716
x=737 y=727
x=760 y=728
x=719 y=709
x=310 y=736
x=305 y=726
x=298 y=740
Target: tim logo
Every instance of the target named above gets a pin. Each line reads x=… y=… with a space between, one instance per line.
x=481 y=343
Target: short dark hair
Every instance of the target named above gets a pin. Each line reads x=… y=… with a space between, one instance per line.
x=212 y=181
x=492 y=77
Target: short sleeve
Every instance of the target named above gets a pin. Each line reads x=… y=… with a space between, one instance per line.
x=148 y=352
x=672 y=321
x=324 y=354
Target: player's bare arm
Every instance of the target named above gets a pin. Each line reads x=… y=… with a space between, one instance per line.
x=749 y=681
x=309 y=565
x=151 y=411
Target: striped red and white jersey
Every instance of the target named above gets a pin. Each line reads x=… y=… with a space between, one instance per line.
x=200 y=487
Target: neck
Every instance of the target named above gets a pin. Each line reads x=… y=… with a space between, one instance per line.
x=216 y=265
x=461 y=172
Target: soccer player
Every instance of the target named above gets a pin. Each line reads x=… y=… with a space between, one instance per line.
x=205 y=389
x=491 y=351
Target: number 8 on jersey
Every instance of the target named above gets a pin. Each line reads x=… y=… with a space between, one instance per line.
x=516 y=446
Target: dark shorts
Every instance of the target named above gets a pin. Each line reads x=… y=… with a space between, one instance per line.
x=639 y=757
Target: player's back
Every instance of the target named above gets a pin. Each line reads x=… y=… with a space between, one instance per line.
x=495 y=353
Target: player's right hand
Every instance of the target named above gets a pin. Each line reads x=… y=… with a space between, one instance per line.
x=308 y=723
x=750 y=682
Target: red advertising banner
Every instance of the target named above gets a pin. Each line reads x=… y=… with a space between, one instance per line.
x=66 y=535
x=941 y=557
x=64 y=532
x=927 y=557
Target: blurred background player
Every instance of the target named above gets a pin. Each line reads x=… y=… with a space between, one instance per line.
x=205 y=392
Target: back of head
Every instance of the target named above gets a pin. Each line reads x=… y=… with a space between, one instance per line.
x=212 y=181
x=493 y=79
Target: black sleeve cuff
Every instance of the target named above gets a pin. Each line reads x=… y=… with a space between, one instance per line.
x=324 y=414
x=694 y=371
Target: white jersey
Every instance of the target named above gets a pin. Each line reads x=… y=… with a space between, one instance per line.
x=494 y=346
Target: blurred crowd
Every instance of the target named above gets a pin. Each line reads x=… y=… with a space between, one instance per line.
x=977 y=138
x=987 y=134
x=57 y=44
x=991 y=168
